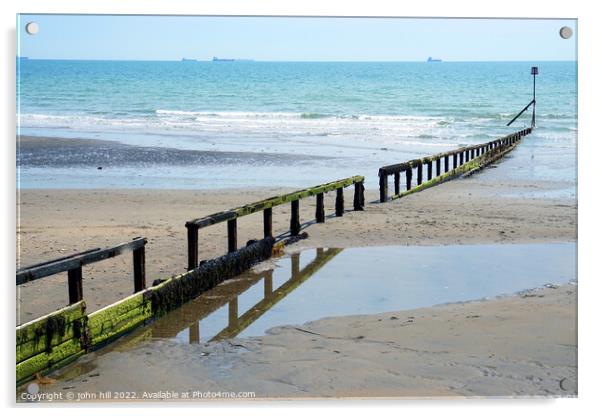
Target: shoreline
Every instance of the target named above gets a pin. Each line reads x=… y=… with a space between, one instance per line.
x=411 y=353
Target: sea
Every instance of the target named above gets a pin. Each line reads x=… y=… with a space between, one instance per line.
x=284 y=124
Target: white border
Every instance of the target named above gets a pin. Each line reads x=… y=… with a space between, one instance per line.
x=589 y=151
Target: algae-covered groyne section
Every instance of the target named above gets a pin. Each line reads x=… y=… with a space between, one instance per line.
x=56 y=339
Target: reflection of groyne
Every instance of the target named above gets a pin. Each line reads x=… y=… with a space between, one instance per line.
x=237 y=324
x=464 y=161
x=191 y=314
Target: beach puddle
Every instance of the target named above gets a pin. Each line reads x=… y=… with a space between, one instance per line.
x=328 y=282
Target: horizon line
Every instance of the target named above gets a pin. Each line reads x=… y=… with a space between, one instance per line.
x=247 y=60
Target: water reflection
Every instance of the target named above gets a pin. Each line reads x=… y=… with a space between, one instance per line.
x=217 y=314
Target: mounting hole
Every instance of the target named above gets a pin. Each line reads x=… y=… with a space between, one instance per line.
x=32 y=28
x=566 y=32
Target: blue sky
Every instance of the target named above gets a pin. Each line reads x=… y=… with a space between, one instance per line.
x=293 y=39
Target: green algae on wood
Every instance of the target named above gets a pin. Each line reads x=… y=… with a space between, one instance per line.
x=46 y=332
x=465 y=169
x=45 y=360
x=272 y=202
x=177 y=290
x=113 y=327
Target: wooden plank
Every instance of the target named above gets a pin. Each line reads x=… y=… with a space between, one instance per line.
x=40 y=362
x=38 y=327
x=115 y=326
x=33 y=347
x=29 y=274
x=122 y=306
x=273 y=201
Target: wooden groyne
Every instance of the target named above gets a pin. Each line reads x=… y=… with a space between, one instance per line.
x=191 y=314
x=73 y=264
x=56 y=339
x=444 y=166
x=266 y=206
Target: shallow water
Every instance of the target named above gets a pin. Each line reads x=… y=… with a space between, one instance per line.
x=321 y=283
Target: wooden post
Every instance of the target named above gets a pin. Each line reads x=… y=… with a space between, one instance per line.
x=408 y=178
x=295 y=223
x=194 y=333
x=268 y=283
x=472 y=153
x=397 y=189
x=232 y=237
x=267 y=223
x=339 y=203
x=358 y=196
x=383 y=182
x=419 y=174
x=446 y=163
x=320 y=217
x=461 y=158
x=139 y=269
x=233 y=312
x=295 y=267
x=455 y=160
x=193 y=246
x=76 y=292
x=429 y=170
x=438 y=166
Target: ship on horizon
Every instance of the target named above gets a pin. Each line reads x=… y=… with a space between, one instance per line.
x=216 y=59
x=431 y=59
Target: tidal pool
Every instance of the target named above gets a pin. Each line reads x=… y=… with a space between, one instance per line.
x=328 y=282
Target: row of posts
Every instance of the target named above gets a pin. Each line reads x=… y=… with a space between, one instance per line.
x=458 y=158
x=295 y=222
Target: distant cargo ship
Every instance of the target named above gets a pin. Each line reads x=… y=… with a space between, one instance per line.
x=433 y=59
x=216 y=59
x=188 y=60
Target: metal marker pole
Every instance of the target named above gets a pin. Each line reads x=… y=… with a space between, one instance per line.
x=534 y=72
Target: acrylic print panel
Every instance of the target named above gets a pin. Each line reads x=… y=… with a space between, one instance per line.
x=276 y=207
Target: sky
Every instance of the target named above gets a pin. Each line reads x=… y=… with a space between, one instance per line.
x=293 y=39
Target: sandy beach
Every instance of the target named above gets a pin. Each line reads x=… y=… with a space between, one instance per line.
x=523 y=345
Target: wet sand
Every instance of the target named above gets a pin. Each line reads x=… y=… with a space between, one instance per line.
x=522 y=345
x=66 y=152
x=55 y=223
